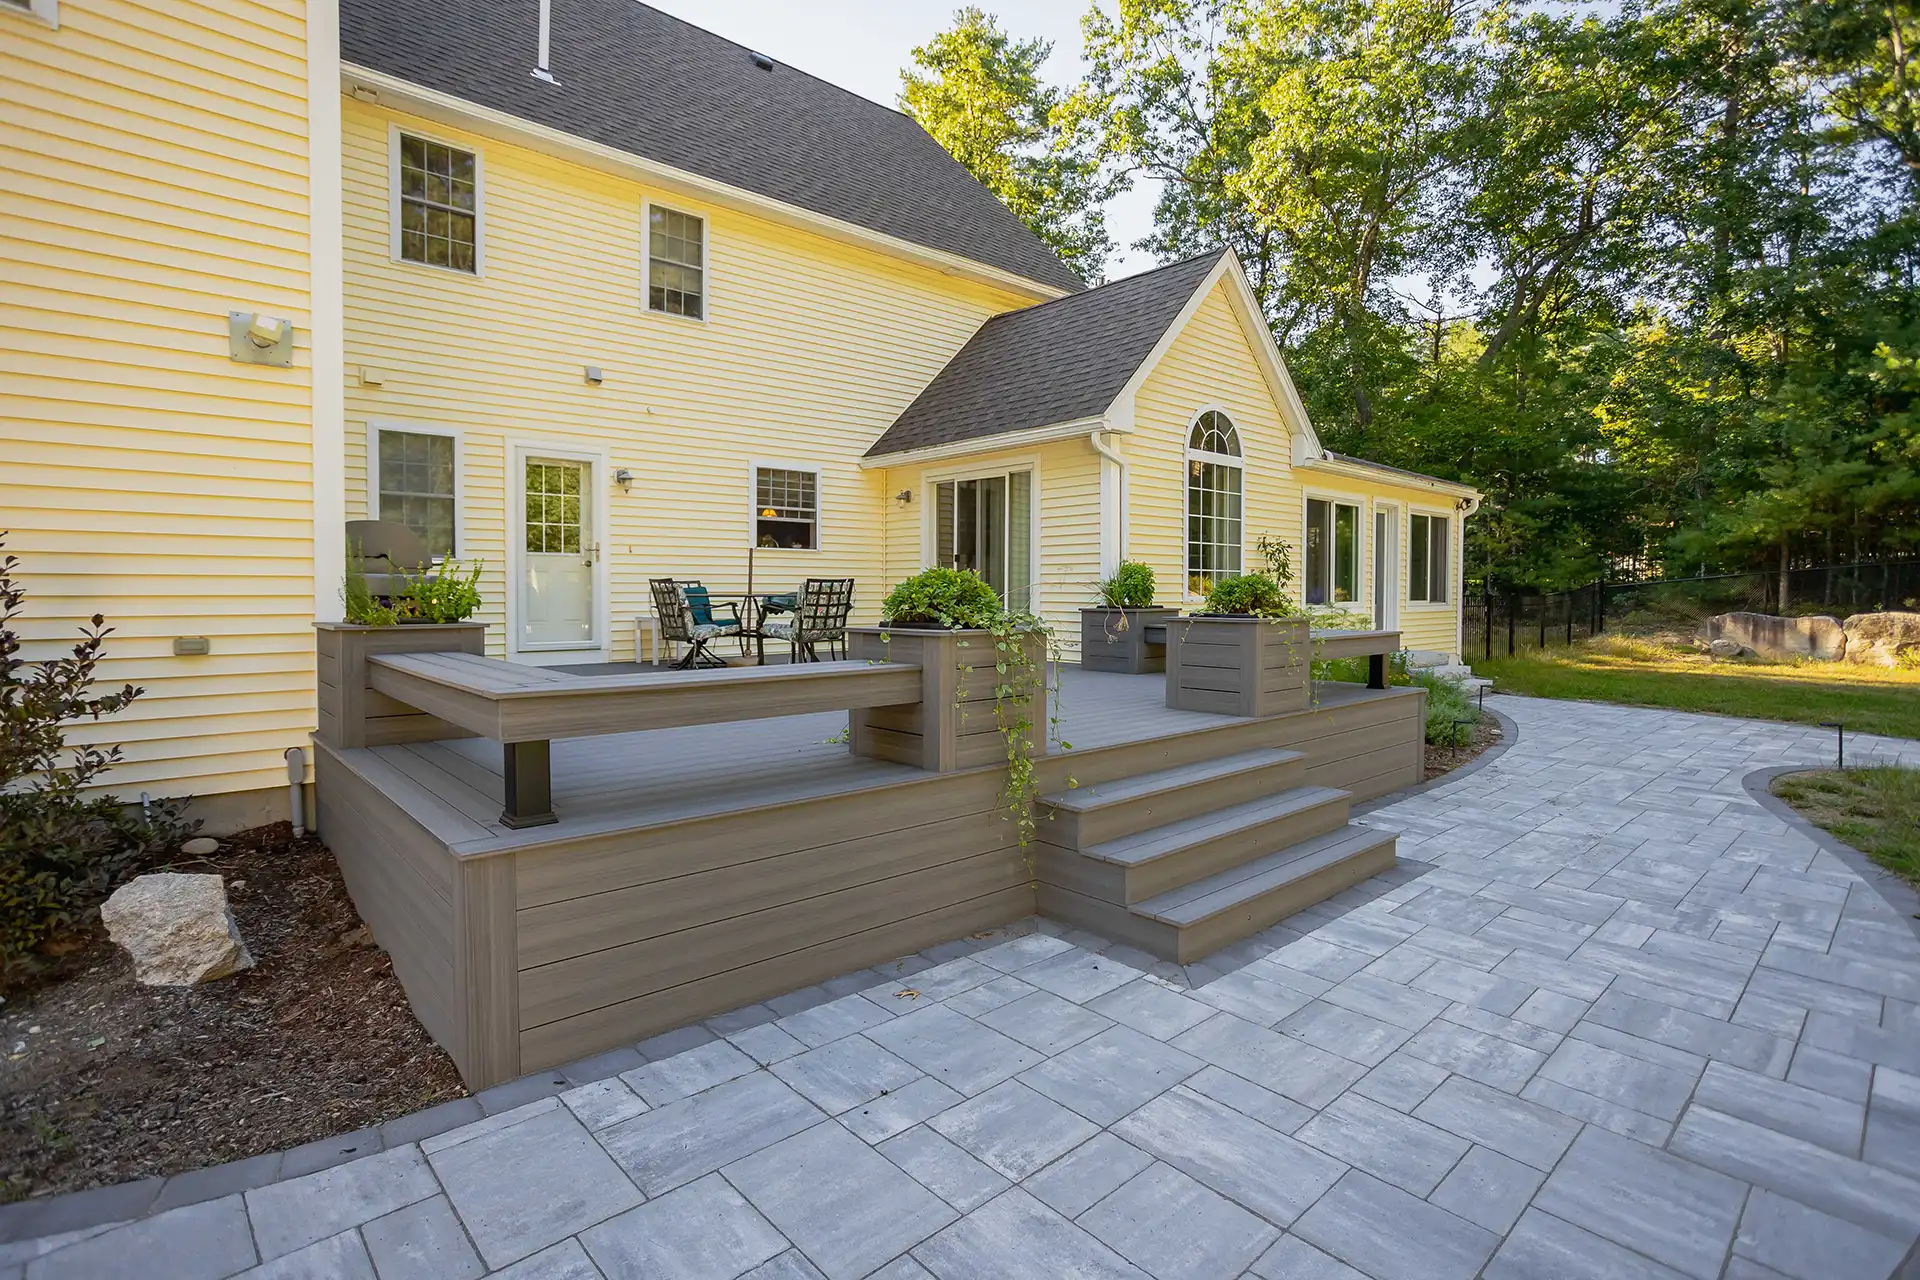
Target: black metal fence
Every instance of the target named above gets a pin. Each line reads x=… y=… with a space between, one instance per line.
x=1506 y=620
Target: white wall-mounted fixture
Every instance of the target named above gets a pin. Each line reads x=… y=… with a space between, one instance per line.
x=253 y=338
x=546 y=43
x=903 y=497
x=48 y=11
x=594 y=375
x=191 y=647
x=372 y=377
x=624 y=478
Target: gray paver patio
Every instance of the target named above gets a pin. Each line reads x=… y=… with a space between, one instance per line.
x=1609 y=1017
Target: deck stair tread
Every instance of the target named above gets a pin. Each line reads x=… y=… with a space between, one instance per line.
x=1174 y=837
x=1141 y=786
x=1196 y=902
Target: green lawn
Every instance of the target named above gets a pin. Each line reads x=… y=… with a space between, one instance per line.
x=1649 y=674
x=1876 y=810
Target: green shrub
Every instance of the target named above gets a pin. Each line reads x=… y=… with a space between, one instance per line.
x=447 y=597
x=1130 y=587
x=1448 y=704
x=1341 y=620
x=363 y=608
x=954 y=598
x=1355 y=670
x=1254 y=595
x=61 y=850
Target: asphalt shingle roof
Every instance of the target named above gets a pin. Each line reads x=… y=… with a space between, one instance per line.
x=636 y=79
x=1055 y=362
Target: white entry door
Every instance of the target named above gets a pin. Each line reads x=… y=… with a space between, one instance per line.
x=557 y=609
x=1386 y=568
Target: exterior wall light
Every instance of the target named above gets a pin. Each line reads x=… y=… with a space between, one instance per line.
x=256 y=339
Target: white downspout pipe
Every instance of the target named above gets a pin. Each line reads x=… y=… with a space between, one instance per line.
x=296 y=792
x=1103 y=446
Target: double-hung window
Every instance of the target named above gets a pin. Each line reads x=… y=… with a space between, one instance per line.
x=415 y=479
x=1215 y=527
x=676 y=262
x=1333 y=551
x=438 y=188
x=786 y=508
x=1429 y=558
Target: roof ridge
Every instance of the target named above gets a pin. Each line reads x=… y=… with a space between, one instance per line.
x=1092 y=290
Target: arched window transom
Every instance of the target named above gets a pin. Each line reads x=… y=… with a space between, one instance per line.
x=1213 y=433
x=1215 y=496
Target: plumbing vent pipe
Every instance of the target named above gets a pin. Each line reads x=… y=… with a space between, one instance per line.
x=296 y=793
x=542 y=72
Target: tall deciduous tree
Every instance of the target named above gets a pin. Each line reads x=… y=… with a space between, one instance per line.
x=980 y=93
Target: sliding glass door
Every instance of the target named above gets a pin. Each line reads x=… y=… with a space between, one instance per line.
x=985 y=523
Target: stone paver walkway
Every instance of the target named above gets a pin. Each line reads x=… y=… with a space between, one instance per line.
x=1610 y=1018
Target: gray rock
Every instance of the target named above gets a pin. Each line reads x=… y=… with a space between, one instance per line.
x=200 y=846
x=1725 y=648
x=1777 y=639
x=177 y=928
x=1882 y=639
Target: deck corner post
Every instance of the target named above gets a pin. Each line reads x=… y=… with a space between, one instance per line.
x=529 y=784
x=486 y=971
x=1376 y=671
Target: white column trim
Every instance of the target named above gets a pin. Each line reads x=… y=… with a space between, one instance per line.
x=327 y=308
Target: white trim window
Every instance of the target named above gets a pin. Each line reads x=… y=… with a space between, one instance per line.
x=1333 y=551
x=48 y=11
x=786 y=508
x=415 y=481
x=1429 y=558
x=436 y=203
x=1216 y=526
x=676 y=262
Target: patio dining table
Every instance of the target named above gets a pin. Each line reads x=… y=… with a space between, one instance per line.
x=755 y=608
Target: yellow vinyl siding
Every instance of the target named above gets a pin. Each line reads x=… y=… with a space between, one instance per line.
x=809 y=351
x=153 y=177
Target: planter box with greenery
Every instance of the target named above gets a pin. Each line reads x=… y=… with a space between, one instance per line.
x=431 y=618
x=1242 y=655
x=1113 y=633
x=971 y=711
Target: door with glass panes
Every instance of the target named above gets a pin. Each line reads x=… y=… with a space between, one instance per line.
x=985 y=523
x=556 y=567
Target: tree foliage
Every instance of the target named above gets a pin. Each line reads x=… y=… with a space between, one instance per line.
x=1643 y=273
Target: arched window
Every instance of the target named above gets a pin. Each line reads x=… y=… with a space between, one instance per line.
x=1214 y=497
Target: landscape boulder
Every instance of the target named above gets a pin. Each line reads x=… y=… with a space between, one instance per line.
x=177 y=928
x=1725 y=648
x=1879 y=639
x=1779 y=639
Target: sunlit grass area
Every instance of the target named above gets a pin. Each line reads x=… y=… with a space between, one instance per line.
x=1876 y=810
x=1651 y=674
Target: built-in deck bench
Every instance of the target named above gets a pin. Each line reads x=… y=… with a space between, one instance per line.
x=523 y=708
x=1331 y=645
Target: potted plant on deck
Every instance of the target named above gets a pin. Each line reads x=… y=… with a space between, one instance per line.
x=1113 y=633
x=1245 y=652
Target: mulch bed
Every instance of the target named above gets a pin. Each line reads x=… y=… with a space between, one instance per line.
x=1443 y=760
x=103 y=1080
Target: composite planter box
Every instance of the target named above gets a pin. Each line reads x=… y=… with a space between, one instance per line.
x=1238 y=666
x=955 y=724
x=1116 y=640
x=353 y=714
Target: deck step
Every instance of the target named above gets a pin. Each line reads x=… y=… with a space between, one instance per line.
x=1246 y=886
x=1107 y=811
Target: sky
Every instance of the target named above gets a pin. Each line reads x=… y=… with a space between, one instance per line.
x=862 y=45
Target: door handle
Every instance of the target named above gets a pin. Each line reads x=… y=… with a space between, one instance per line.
x=593 y=554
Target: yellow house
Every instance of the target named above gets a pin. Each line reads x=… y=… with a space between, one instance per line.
x=589 y=296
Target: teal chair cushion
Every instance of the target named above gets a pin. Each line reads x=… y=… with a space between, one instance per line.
x=700 y=606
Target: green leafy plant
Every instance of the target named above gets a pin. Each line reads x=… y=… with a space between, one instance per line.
x=1356 y=670
x=1277 y=553
x=1129 y=587
x=957 y=599
x=449 y=596
x=363 y=608
x=1254 y=595
x=63 y=846
x=1450 y=711
x=1341 y=620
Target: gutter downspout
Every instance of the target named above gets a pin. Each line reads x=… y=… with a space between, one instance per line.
x=1113 y=506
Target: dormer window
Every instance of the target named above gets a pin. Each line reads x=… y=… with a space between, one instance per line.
x=437 y=194
x=676 y=263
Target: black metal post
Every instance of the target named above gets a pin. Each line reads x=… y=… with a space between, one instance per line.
x=1486 y=609
x=529 y=774
x=1376 y=671
x=1569 y=617
x=1510 y=612
x=1839 y=742
x=1543 y=622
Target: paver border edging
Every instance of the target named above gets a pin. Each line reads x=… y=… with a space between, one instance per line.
x=1891 y=888
x=1509 y=734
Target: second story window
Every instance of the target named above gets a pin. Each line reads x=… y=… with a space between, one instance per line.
x=439 y=205
x=676 y=262
x=786 y=508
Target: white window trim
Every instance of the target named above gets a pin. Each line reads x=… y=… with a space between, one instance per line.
x=394 y=130
x=519 y=449
x=47 y=11
x=754 y=468
x=930 y=514
x=1452 y=603
x=1362 y=576
x=1189 y=455
x=646 y=261
x=375 y=426
x=1396 y=511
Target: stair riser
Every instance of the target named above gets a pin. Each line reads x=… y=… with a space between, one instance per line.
x=1121 y=885
x=1110 y=822
x=1197 y=941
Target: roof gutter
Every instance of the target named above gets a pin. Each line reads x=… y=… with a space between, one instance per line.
x=367 y=85
x=1022 y=439
x=1405 y=479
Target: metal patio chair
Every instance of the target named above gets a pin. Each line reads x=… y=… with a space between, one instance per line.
x=690 y=616
x=818 y=618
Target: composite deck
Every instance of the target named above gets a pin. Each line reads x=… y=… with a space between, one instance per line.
x=698 y=868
